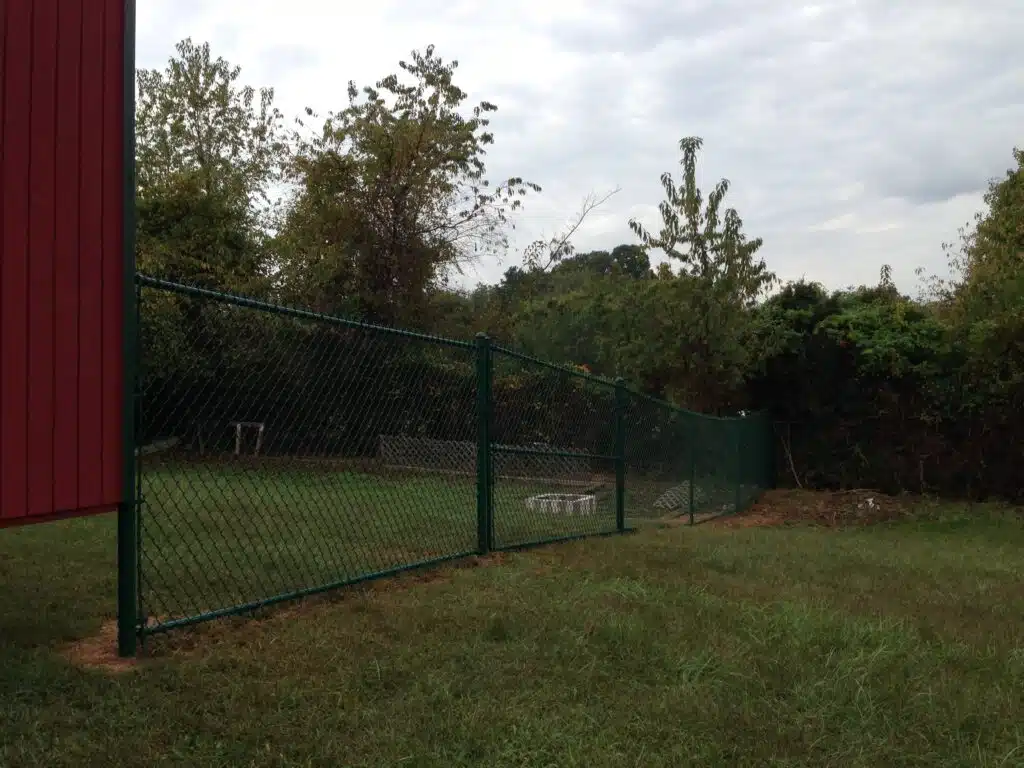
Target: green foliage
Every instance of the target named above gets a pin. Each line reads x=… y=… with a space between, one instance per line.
x=392 y=193
x=697 y=323
x=207 y=152
x=709 y=243
x=188 y=236
x=194 y=119
x=891 y=336
x=994 y=278
x=629 y=261
x=646 y=332
x=389 y=198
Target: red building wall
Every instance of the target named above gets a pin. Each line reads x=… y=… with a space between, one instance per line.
x=62 y=178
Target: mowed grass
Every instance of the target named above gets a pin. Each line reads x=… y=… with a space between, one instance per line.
x=896 y=645
x=223 y=535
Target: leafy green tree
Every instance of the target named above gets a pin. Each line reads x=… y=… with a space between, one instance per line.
x=982 y=303
x=572 y=327
x=993 y=254
x=187 y=236
x=392 y=194
x=701 y=326
x=643 y=330
x=800 y=377
x=196 y=119
x=707 y=242
x=628 y=260
x=207 y=153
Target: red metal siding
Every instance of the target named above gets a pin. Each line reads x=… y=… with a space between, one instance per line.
x=61 y=273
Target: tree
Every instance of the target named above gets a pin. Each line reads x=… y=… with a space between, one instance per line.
x=207 y=152
x=195 y=119
x=988 y=302
x=541 y=255
x=707 y=242
x=393 y=193
x=187 y=236
x=993 y=254
x=986 y=263
x=700 y=317
x=626 y=260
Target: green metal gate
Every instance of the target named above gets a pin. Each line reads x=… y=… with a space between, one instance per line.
x=555 y=452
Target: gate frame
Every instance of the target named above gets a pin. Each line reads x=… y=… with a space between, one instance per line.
x=486 y=448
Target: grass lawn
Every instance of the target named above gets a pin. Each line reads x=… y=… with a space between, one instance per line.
x=891 y=645
x=218 y=536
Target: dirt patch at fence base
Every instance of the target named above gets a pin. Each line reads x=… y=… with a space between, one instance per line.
x=825 y=508
x=99 y=652
x=190 y=641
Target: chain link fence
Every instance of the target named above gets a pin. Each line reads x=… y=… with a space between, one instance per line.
x=684 y=463
x=552 y=451
x=282 y=453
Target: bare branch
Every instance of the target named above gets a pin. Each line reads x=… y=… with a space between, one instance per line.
x=542 y=254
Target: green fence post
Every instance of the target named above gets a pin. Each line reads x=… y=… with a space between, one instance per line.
x=621 y=403
x=738 y=429
x=127 y=509
x=693 y=465
x=484 y=518
x=768 y=443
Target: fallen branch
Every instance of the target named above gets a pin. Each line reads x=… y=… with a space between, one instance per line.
x=786 y=446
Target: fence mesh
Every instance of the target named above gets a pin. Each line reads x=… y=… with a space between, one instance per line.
x=552 y=451
x=678 y=462
x=268 y=453
x=282 y=453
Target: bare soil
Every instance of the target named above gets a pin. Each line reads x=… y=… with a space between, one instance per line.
x=826 y=508
x=99 y=652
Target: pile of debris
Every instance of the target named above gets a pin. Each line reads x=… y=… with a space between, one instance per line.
x=828 y=508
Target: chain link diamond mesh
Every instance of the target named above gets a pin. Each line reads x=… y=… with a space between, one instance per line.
x=684 y=463
x=282 y=453
x=268 y=453
x=553 y=438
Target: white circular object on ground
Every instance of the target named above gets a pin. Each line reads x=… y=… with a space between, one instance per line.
x=563 y=504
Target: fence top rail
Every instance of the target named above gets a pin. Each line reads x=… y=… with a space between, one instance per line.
x=302 y=314
x=554 y=366
x=685 y=412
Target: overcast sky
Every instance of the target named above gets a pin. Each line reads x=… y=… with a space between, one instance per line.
x=854 y=133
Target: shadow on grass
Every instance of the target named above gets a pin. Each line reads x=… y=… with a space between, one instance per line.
x=58 y=580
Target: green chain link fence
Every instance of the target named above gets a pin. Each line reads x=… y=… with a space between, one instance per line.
x=282 y=453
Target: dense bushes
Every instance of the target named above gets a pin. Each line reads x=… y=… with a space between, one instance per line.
x=875 y=390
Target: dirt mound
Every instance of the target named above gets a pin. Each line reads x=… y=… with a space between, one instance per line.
x=827 y=508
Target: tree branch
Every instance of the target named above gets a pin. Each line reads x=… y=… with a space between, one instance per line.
x=542 y=255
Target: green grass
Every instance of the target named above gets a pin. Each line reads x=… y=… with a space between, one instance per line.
x=218 y=536
x=898 y=645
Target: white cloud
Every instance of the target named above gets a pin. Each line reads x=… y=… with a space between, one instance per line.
x=854 y=132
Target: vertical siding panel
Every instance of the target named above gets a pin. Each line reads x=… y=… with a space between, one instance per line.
x=40 y=267
x=90 y=249
x=3 y=78
x=14 y=265
x=65 y=440
x=113 y=250
x=61 y=271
